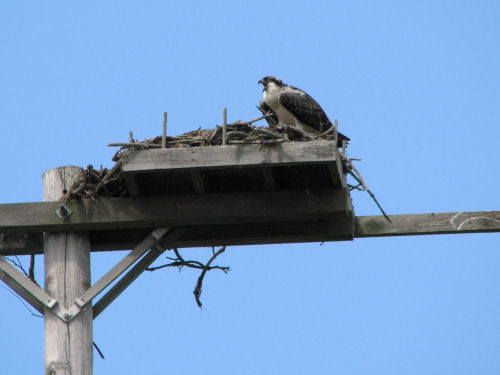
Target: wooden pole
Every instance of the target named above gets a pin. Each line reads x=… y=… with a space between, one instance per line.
x=164 y=133
x=68 y=346
x=224 y=127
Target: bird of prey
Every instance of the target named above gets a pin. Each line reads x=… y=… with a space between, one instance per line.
x=288 y=105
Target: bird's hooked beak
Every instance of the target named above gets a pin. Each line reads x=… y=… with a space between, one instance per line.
x=261 y=82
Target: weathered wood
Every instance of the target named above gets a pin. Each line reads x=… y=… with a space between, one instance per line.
x=167 y=242
x=133 y=187
x=269 y=178
x=290 y=153
x=164 y=133
x=88 y=295
x=29 y=291
x=21 y=244
x=268 y=233
x=280 y=232
x=170 y=211
x=224 y=126
x=211 y=235
x=68 y=346
x=24 y=287
x=198 y=183
x=433 y=223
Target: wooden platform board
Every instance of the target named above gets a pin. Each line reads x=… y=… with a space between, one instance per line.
x=234 y=168
x=307 y=168
x=223 y=195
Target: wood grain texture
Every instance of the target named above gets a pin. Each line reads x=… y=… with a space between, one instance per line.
x=291 y=153
x=68 y=346
x=24 y=287
x=176 y=210
x=433 y=223
x=284 y=232
x=209 y=235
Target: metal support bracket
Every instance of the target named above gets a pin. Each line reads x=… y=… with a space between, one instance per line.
x=159 y=240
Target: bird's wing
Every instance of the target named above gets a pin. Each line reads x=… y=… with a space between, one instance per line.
x=305 y=108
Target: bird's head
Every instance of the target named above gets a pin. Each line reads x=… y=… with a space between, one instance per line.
x=270 y=81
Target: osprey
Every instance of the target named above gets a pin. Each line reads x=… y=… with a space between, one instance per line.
x=288 y=105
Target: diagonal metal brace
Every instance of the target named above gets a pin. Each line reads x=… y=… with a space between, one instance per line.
x=151 y=242
x=168 y=242
x=157 y=241
x=27 y=289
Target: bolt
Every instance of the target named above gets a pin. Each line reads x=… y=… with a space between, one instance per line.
x=62 y=211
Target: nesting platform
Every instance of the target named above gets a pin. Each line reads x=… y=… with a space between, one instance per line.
x=282 y=193
x=220 y=195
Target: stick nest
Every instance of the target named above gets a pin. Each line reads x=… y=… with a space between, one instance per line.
x=108 y=183
x=237 y=133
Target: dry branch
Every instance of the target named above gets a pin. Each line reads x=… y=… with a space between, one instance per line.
x=180 y=262
x=16 y=262
x=351 y=169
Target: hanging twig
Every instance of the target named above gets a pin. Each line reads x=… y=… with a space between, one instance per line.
x=98 y=350
x=22 y=301
x=357 y=176
x=31 y=272
x=197 y=289
x=16 y=262
x=355 y=187
x=180 y=262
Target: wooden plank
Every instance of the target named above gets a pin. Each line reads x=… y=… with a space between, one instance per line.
x=282 y=232
x=132 y=185
x=24 y=287
x=433 y=223
x=21 y=244
x=268 y=233
x=175 y=210
x=200 y=236
x=289 y=153
x=238 y=234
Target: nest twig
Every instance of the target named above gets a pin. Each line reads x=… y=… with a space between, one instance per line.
x=180 y=262
x=94 y=184
x=238 y=132
x=361 y=186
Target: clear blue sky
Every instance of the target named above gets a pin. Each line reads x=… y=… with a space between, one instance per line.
x=416 y=85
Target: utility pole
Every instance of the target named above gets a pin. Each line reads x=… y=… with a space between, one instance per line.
x=185 y=197
x=68 y=345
